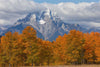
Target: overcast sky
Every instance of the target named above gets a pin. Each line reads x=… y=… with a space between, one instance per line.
x=84 y=13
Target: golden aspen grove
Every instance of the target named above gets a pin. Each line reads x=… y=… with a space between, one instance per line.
x=27 y=49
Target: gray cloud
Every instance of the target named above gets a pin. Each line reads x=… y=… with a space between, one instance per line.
x=87 y=14
x=12 y=10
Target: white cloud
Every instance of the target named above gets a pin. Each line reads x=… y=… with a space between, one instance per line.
x=2 y=21
x=95 y=24
x=11 y=10
x=82 y=13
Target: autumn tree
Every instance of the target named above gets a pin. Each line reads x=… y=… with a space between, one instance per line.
x=97 y=46
x=60 y=49
x=90 y=47
x=46 y=52
x=75 y=45
x=26 y=49
x=30 y=42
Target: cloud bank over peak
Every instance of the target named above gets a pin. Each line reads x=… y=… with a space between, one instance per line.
x=81 y=13
x=87 y=14
x=11 y=10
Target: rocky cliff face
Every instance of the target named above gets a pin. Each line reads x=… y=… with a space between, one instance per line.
x=47 y=25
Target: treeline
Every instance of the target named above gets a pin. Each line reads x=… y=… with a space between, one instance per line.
x=27 y=50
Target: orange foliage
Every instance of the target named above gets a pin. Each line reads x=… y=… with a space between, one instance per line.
x=26 y=49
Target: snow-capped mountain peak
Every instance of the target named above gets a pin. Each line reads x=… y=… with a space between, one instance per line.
x=47 y=12
x=48 y=26
x=33 y=16
x=42 y=21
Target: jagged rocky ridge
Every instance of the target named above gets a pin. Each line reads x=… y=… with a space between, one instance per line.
x=47 y=25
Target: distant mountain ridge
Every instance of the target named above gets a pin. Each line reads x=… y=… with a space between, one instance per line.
x=47 y=25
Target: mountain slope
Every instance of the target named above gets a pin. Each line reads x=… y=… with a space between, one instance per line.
x=3 y=28
x=47 y=25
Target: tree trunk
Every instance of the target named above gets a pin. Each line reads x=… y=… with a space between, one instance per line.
x=48 y=61
x=32 y=62
x=9 y=65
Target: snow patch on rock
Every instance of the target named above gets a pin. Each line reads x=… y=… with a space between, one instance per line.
x=42 y=21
